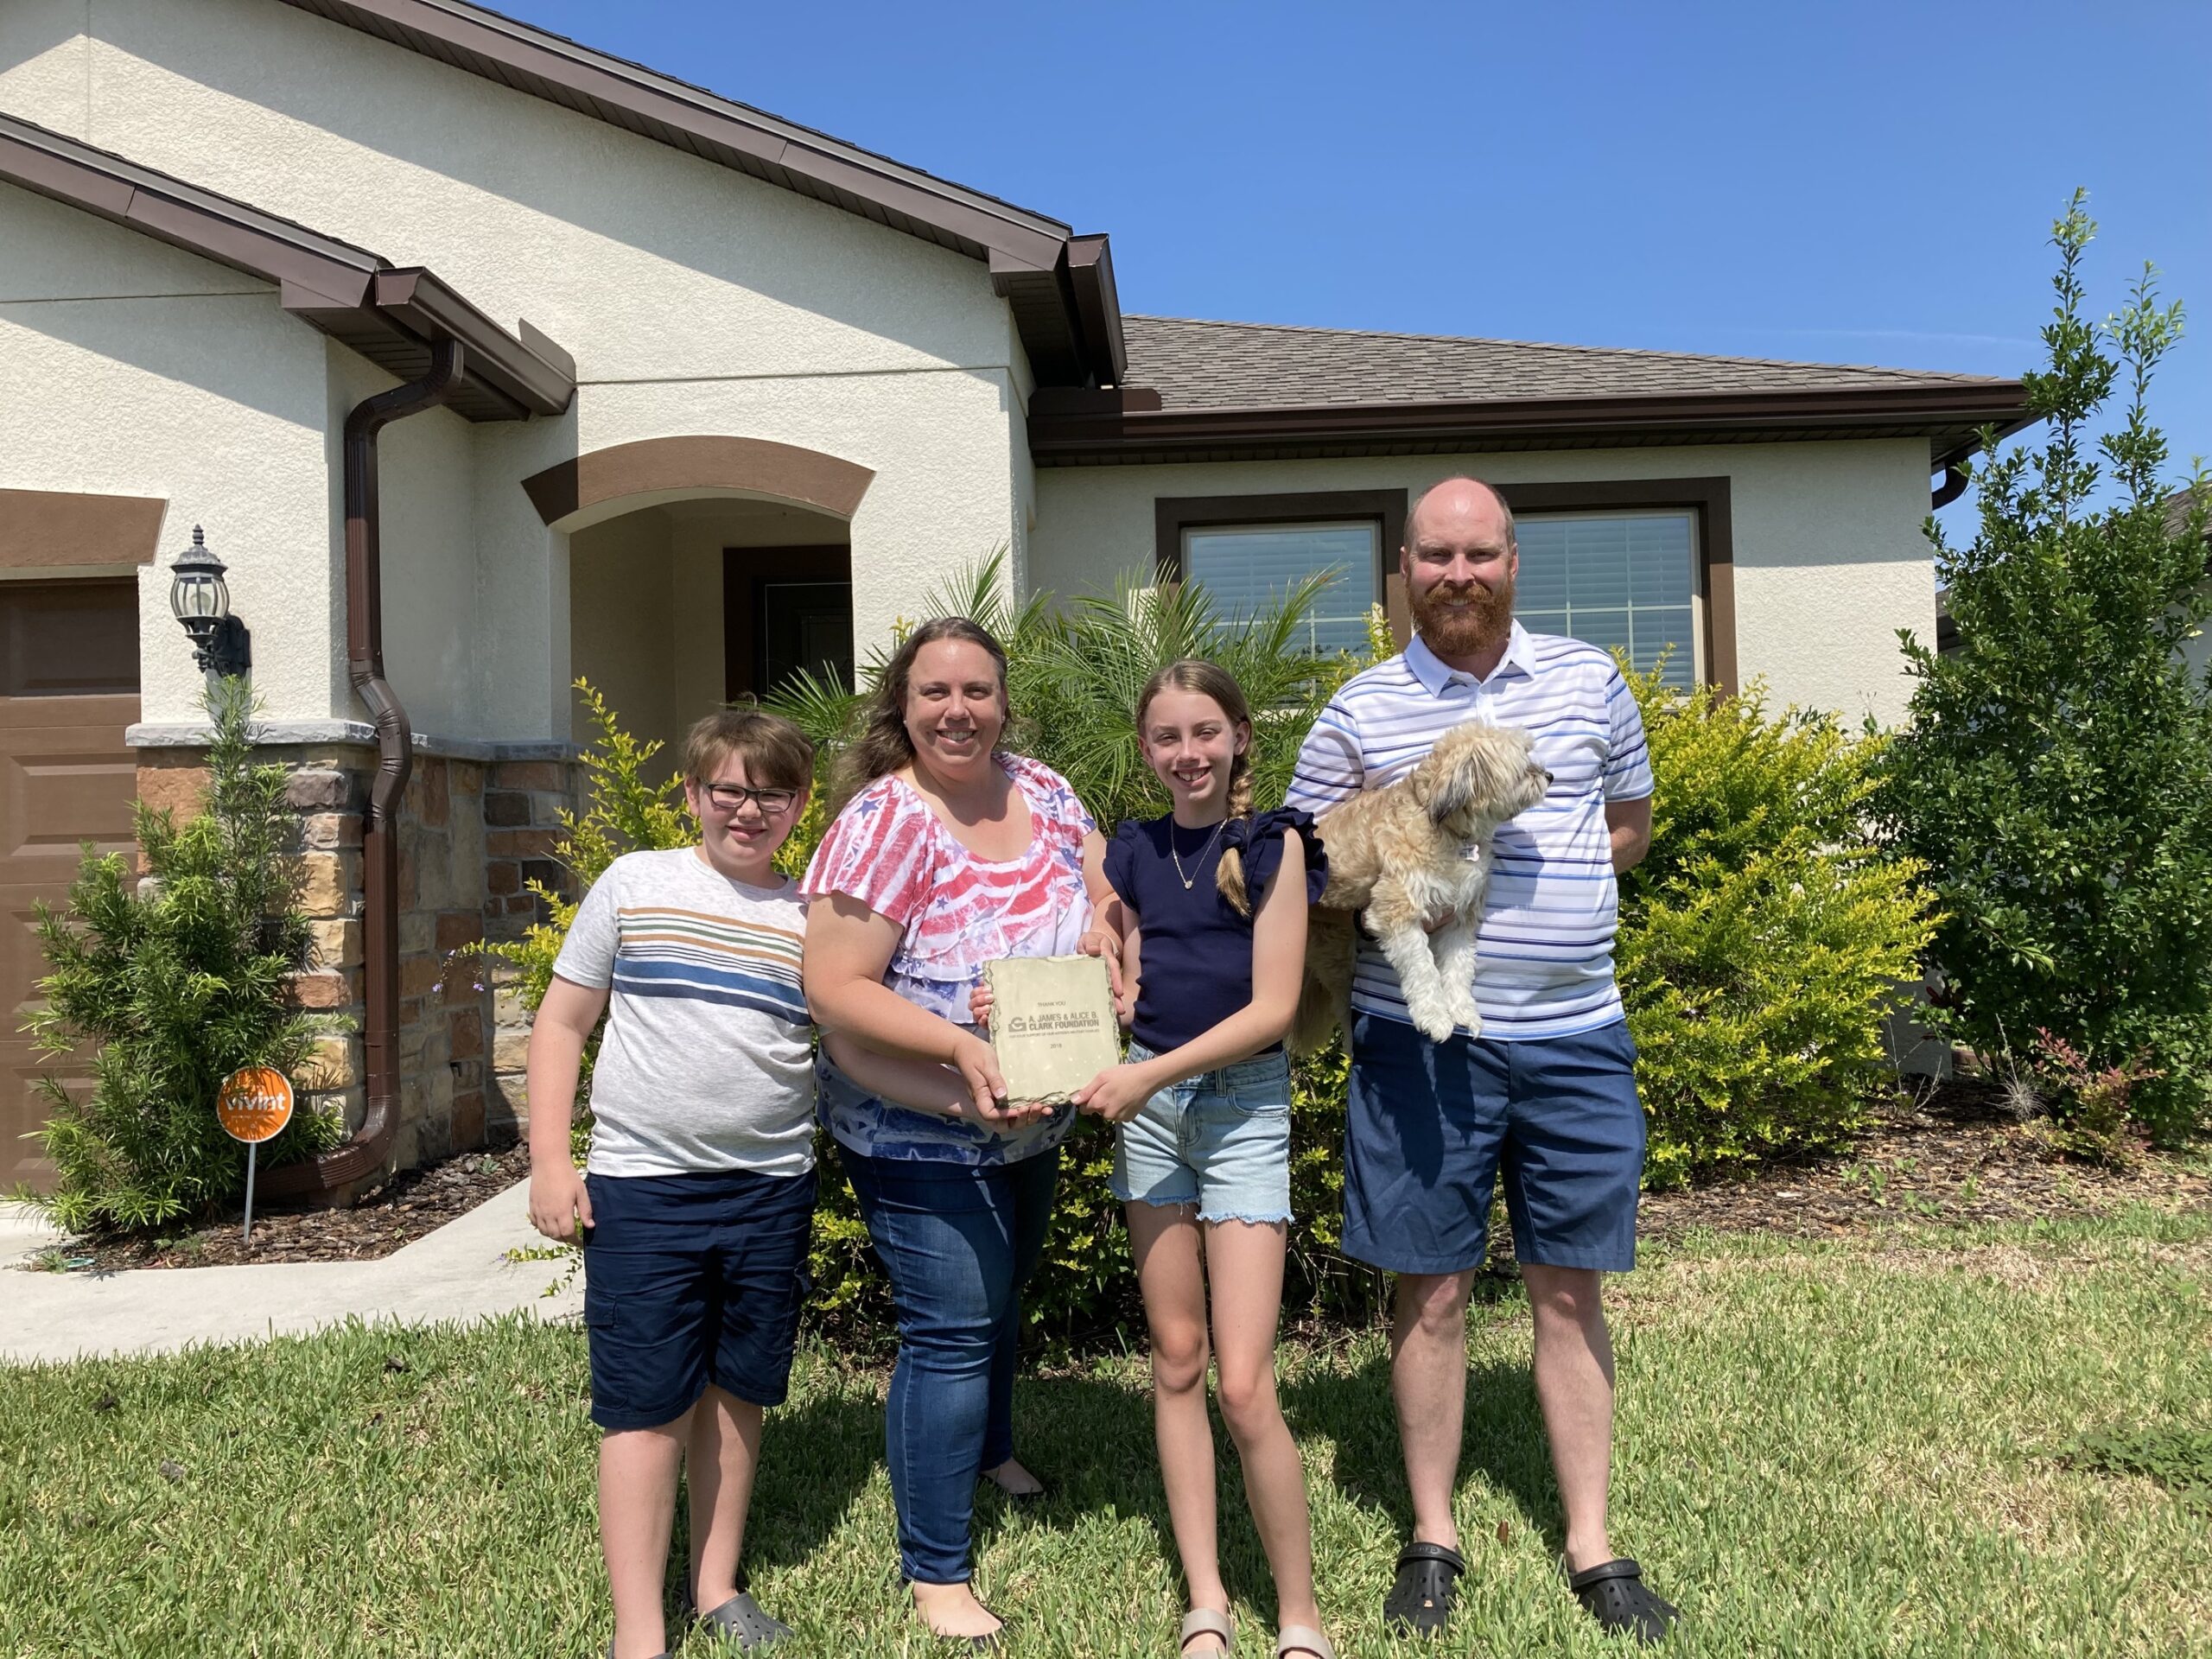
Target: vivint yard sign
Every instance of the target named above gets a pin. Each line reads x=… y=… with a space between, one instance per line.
x=253 y=1105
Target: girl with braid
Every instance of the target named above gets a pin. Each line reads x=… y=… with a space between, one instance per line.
x=1212 y=902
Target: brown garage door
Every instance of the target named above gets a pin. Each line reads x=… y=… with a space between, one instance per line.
x=68 y=686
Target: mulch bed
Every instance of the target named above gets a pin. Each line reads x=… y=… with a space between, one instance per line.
x=1957 y=1157
x=406 y=1207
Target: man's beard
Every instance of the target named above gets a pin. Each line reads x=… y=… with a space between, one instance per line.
x=1455 y=632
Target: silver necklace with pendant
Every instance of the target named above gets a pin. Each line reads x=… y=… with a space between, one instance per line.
x=1190 y=881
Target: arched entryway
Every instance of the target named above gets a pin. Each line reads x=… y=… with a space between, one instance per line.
x=703 y=571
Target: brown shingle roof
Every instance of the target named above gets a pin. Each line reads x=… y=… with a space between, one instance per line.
x=2178 y=507
x=1197 y=365
x=1200 y=391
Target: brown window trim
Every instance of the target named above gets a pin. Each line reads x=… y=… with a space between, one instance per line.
x=1708 y=497
x=1173 y=514
x=1716 y=564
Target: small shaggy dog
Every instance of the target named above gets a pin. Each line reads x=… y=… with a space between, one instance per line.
x=1418 y=849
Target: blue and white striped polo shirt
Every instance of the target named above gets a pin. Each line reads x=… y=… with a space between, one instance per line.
x=1545 y=961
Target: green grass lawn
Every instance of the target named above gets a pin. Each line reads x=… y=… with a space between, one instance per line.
x=1845 y=1450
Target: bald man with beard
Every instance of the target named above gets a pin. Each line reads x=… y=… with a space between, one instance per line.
x=1545 y=1097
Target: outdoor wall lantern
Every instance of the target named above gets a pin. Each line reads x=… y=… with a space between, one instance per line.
x=202 y=602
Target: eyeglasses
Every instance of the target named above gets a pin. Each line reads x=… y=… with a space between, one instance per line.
x=728 y=798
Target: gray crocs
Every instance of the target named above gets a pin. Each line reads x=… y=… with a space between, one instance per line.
x=740 y=1622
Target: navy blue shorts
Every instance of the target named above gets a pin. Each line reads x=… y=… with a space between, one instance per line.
x=1430 y=1127
x=690 y=1279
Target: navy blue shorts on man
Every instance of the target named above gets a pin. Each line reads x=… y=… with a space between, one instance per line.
x=1430 y=1128
x=690 y=1279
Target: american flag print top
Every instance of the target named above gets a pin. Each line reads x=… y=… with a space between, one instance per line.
x=955 y=911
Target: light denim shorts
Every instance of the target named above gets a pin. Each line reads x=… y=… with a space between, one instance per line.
x=1220 y=1140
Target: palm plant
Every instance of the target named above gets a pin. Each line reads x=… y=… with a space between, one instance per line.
x=1073 y=675
x=1092 y=670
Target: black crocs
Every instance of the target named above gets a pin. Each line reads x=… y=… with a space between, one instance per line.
x=740 y=1624
x=1613 y=1593
x=1420 y=1597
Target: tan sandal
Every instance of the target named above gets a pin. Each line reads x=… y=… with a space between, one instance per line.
x=1204 y=1621
x=1303 y=1638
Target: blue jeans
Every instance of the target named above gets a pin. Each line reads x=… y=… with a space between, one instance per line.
x=958 y=1242
x=1220 y=1142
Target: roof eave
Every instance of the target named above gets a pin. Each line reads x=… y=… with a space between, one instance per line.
x=1120 y=430
x=1060 y=287
x=483 y=42
x=391 y=317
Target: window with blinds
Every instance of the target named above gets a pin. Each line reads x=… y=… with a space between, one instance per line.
x=1624 y=581
x=1245 y=568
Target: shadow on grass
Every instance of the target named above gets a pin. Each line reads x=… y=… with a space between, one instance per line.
x=1090 y=1441
x=1503 y=1441
x=815 y=1461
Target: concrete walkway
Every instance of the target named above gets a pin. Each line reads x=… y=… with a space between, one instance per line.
x=458 y=1273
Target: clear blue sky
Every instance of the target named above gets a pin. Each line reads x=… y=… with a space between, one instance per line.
x=1862 y=183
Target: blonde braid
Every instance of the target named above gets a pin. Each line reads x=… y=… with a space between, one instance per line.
x=1229 y=874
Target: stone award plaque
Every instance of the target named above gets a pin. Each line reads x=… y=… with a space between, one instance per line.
x=1052 y=1025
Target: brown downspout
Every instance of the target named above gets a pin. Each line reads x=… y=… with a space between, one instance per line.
x=1953 y=486
x=364 y=1154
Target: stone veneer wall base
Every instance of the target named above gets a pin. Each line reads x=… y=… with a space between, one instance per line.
x=474 y=830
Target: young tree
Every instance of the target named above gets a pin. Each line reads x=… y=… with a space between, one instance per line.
x=176 y=979
x=2056 y=775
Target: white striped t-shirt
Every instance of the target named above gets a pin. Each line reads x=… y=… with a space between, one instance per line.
x=1544 y=966
x=707 y=1060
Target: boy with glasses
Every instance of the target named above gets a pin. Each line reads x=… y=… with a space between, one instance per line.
x=696 y=1202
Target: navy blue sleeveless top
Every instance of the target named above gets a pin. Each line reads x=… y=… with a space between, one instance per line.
x=1195 y=967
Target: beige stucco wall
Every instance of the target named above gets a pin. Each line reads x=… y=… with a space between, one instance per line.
x=129 y=368
x=698 y=670
x=696 y=300
x=621 y=585
x=1829 y=556
x=647 y=592
x=435 y=625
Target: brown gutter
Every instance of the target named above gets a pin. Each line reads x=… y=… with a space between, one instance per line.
x=1953 y=486
x=1115 y=427
x=363 y=1155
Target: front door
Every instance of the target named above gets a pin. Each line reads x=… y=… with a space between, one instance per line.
x=786 y=609
x=68 y=686
x=805 y=627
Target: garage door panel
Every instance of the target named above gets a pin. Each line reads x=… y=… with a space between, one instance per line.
x=62 y=786
x=23 y=1110
x=62 y=639
x=69 y=687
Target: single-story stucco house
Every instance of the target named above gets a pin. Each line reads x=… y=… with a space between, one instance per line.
x=678 y=395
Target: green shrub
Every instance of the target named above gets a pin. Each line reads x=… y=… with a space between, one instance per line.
x=175 y=980
x=622 y=813
x=2090 y=1117
x=2056 y=774
x=1765 y=936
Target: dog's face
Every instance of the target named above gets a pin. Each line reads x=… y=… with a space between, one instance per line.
x=1477 y=777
